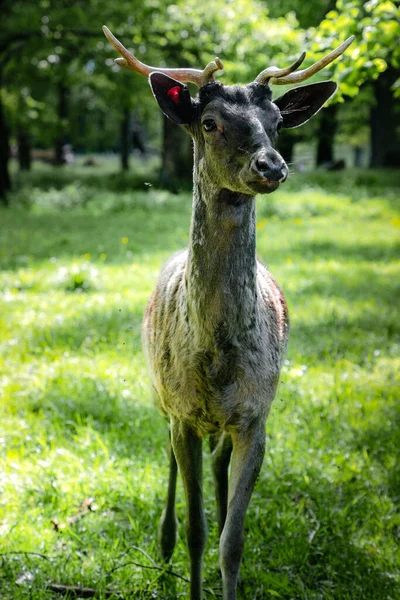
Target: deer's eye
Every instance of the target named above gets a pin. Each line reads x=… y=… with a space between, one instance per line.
x=209 y=125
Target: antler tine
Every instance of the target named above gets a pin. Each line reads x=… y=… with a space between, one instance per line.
x=211 y=68
x=270 y=72
x=130 y=62
x=310 y=71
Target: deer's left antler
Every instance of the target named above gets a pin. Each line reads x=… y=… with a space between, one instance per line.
x=275 y=76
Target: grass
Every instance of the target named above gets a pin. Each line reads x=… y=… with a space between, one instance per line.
x=84 y=465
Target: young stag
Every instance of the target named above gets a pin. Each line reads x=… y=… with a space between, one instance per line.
x=216 y=328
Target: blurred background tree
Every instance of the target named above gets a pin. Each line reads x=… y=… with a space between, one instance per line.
x=61 y=93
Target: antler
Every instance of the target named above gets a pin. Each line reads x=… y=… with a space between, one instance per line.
x=274 y=72
x=183 y=75
x=276 y=76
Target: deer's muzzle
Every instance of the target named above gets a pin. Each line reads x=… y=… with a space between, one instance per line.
x=269 y=166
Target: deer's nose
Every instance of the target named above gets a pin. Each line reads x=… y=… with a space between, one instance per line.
x=270 y=166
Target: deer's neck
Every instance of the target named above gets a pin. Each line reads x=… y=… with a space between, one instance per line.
x=221 y=268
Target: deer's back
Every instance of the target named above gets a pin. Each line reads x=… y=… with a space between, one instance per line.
x=205 y=371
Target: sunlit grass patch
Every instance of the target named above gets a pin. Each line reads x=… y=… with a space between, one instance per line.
x=84 y=463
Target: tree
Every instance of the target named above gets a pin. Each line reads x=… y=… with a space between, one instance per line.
x=5 y=181
x=47 y=43
x=8 y=37
x=374 y=56
x=385 y=121
x=353 y=127
x=24 y=36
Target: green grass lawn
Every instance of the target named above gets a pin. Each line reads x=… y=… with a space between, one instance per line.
x=83 y=470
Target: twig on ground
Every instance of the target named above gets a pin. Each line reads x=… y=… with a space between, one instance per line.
x=27 y=554
x=85 y=592
x=76 y=591
x=144 y=554
x=155 y=567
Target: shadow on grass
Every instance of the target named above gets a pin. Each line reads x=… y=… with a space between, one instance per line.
x=320 y=540
x=93 y=330
x=29 y=238
x=79 y=544
x=317 y=536
x=113 y=182
x=323 y=539
x=71 y=401
x=366 y=284
x=332 y=336
x=336 y=336
x=346 y=252
x=381 y=440
x=354 y=335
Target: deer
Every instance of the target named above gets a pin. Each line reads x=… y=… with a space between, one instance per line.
x=216 y=328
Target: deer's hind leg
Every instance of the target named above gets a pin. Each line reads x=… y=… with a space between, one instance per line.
x=167 y=531
x=221 y=449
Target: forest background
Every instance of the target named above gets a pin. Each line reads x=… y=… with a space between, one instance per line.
x=95 y=194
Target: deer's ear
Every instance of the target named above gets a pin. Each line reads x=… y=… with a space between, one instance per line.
x=300 y=104
x=173 y=98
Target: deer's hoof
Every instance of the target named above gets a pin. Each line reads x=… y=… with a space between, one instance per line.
x=167 y=535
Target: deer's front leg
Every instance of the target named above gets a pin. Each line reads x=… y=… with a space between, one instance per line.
x=188 y=452
x=247 y=457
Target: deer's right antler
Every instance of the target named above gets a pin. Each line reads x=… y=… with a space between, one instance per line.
x=130 y=62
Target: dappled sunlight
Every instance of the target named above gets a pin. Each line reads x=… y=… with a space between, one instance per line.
x=102 y=237
x=80 y=424
x=96 y=194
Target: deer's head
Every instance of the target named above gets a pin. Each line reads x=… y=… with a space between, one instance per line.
x=235 y=128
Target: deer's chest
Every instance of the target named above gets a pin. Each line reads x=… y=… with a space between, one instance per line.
x=214 y=385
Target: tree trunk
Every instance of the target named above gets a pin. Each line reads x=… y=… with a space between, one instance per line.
x=24 y=150
x=358 y=156
x=62 y=114
x=5 y=181
x=326 y=135
x=286 y=144
x=177 y=155
x=385 y=122
x=124 y=140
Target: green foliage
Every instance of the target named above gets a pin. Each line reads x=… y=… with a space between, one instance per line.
x=308 y=13
x=63 y=44
x=46 y=44
x=376 y=26
x=84 y=463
